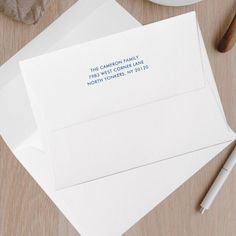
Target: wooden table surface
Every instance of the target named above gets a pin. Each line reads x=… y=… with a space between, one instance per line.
x=25 y=210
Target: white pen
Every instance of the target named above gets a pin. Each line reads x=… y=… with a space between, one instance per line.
x=219 y=181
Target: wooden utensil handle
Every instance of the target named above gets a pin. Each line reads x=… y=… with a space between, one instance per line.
x=229 y=38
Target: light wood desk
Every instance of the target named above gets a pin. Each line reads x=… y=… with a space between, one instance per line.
x=25 y=209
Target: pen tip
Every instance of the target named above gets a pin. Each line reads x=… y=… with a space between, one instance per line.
x=202 y=210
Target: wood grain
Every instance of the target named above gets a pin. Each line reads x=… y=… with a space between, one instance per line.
x=25 y=210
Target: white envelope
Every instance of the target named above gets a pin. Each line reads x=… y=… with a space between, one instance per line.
x=111 y=205
x=124 y=101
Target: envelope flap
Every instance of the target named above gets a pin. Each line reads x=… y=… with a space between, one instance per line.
x=117 y=72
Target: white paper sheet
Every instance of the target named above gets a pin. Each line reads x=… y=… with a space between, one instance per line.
x=125 y=101
x=95 y=208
